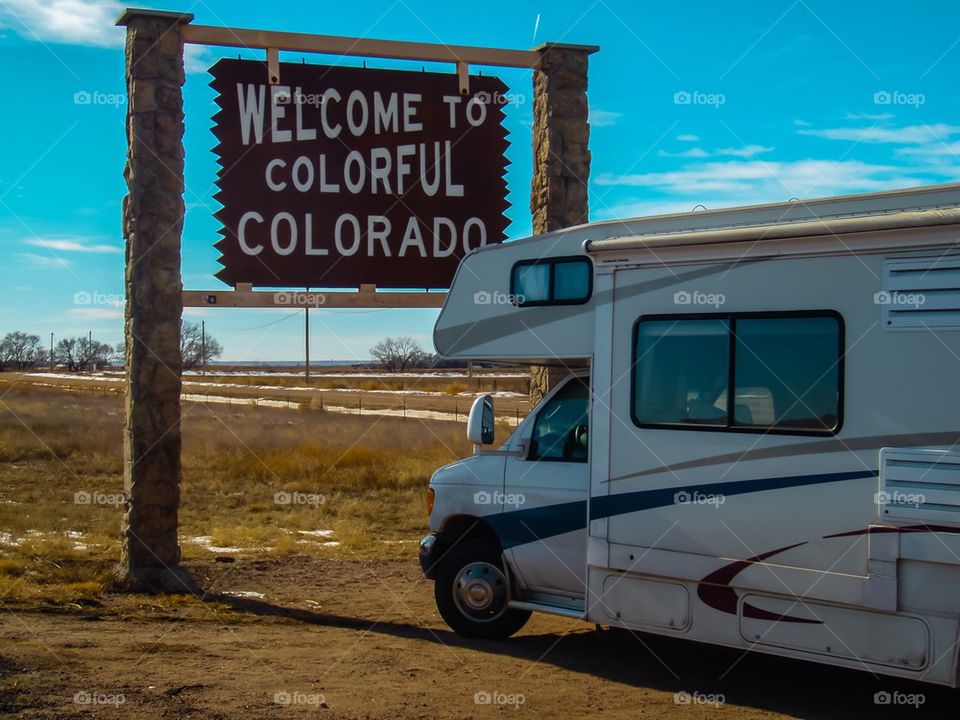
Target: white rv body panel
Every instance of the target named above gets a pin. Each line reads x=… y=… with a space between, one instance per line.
x=827 y=536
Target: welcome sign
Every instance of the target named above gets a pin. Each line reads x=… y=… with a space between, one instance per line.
x=340 y=176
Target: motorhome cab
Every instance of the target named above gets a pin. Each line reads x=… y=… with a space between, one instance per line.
x=755 y=444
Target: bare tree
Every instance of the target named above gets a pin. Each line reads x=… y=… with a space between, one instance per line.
x=68 y=354
x=20 y=351
x=194 y=352
x=81 y=353
x=399 y=353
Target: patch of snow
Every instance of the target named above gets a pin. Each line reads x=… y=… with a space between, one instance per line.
x=245 y=594
x=316 y=533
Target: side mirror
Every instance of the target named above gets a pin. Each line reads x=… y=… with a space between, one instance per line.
x=480 y=421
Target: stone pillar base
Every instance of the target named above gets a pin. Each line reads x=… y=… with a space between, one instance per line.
x=158 y=581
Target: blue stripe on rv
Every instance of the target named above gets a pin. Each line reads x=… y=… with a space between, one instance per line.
x=519 y=527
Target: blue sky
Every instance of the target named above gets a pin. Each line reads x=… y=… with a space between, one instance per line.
x=696 y=103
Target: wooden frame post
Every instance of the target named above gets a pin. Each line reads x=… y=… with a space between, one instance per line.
x=153 y=213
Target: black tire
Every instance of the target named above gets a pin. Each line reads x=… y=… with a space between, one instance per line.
x=476 y=564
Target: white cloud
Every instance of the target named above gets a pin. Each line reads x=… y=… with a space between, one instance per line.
x=758 y=181
x=196 y=59
x=687 y=137
x=45 y=261
x=73 y=22
x=748 y=151
x=877 y=117
x=908 y=135
x=603 y=118
x=735 y=183
x=937 y=149
x=96 y=313
x=71 y=245
x=693 y=152
x=801 y=123
x=82 y=22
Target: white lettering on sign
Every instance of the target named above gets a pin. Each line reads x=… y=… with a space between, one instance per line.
x=279 y=97
x=392 y=157
x=409 y=111
x=329 y=97
x=385 y=116
x=286 y=230
x=251 y=112
x=242 y=235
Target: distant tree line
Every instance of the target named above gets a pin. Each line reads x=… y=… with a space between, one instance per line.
x=24 y=351
x=396 y=354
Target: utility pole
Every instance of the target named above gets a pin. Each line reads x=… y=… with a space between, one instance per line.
x=93 y=362
x=306 y=339
x=52 y=366
x=203 y=347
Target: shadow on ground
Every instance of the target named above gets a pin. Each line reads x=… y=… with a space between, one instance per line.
x=792 y=687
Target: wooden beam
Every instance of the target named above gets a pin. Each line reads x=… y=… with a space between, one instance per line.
x=367 y=297
x=360 y=47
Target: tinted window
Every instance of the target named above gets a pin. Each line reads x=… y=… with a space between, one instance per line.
x=560 y=281
x=531 y=283
x=794 y=363
x=682 y=372
x=786 y=372
x=560 y=430
x=571 y=280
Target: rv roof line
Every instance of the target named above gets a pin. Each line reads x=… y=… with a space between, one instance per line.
x=783 y=231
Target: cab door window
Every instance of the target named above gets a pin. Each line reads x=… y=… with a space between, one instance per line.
x=560 y=428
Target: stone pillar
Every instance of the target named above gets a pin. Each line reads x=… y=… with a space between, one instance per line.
x=561 y=158
x=152 y=225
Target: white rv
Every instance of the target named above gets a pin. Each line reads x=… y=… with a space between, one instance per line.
x=755 y=445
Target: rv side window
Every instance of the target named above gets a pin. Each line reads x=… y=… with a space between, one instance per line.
x=785 y=372
x=555 y=281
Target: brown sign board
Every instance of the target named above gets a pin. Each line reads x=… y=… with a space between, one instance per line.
x=338 y=177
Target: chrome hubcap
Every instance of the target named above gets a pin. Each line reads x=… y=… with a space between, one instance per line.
x=480 y=591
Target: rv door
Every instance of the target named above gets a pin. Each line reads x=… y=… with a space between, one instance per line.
x=549 y=485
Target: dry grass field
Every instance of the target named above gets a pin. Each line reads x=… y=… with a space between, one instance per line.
x=300 y=526
x=255 y=481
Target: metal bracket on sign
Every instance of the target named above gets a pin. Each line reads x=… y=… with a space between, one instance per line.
x=273 y=65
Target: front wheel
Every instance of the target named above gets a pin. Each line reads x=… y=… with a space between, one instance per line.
x=472 y=592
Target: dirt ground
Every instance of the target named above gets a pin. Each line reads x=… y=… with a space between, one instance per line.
x=307 y=637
